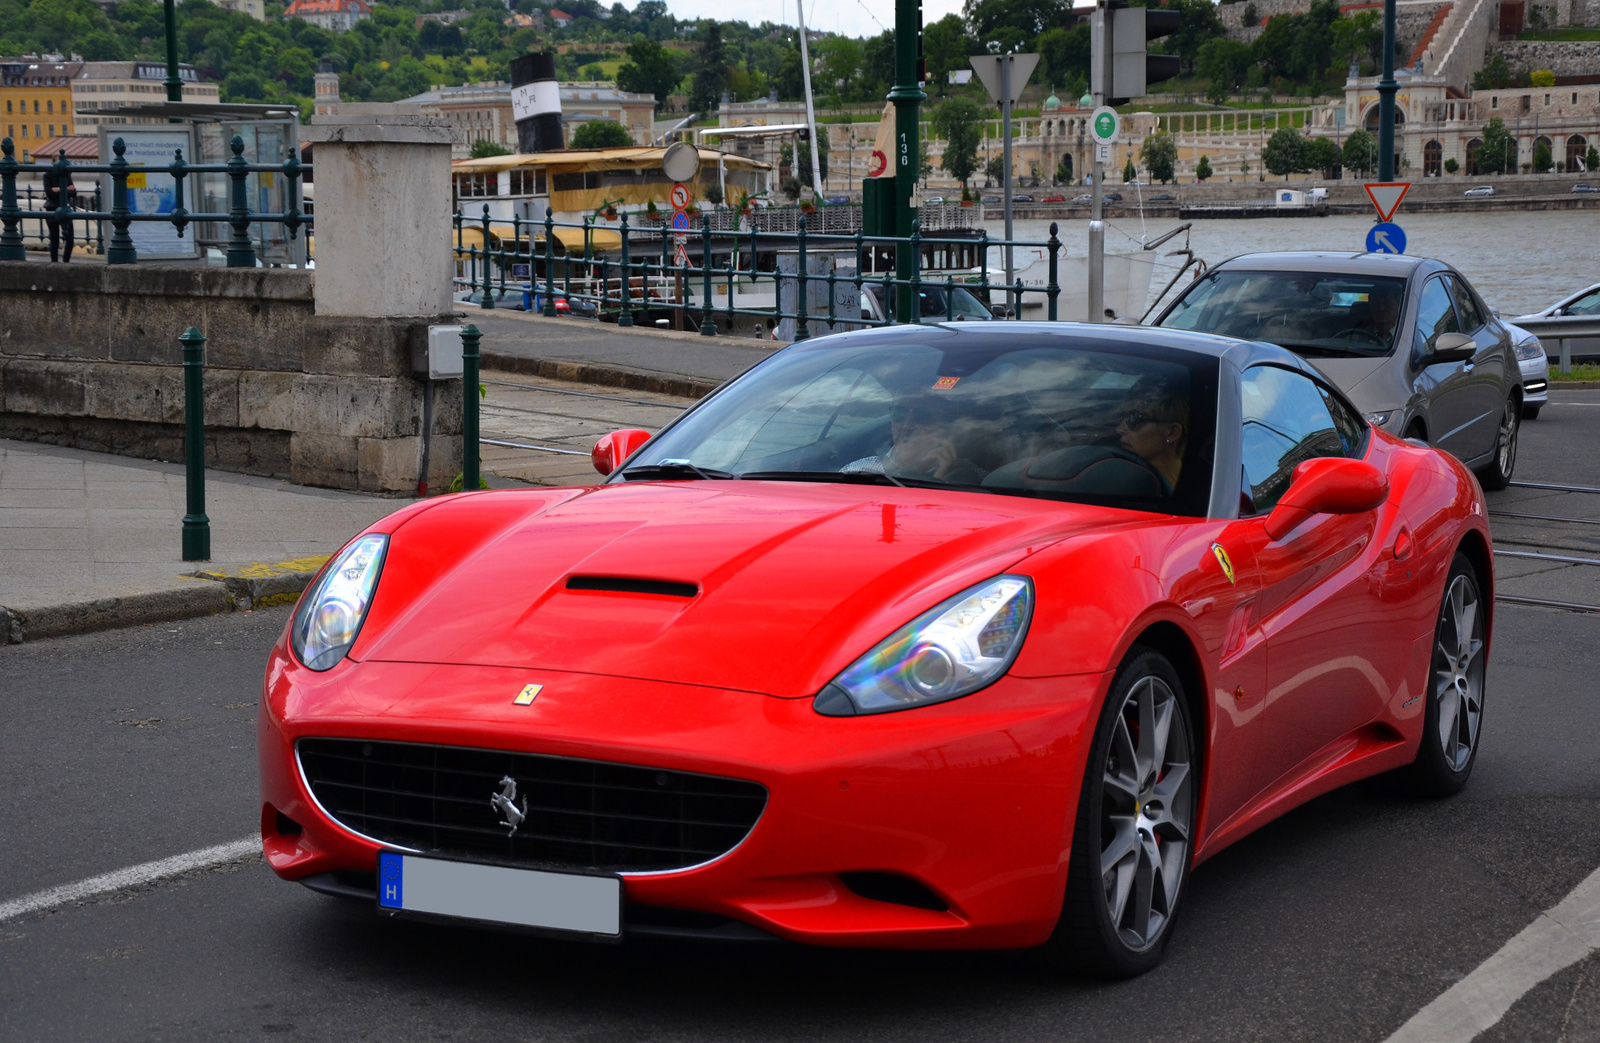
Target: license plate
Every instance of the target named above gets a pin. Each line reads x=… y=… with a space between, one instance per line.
x=500 y=894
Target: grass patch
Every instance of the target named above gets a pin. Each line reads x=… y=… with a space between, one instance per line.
x=1580 y=371
x=1569 y=35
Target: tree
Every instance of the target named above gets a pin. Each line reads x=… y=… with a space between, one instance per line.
x=601 y=134
x=1064 y=170
x=995 y=169
x=1128 y=171
x=1322 y=155
x=1064 y=53
x=959 y=122
x=1202 y=169
x=836 y=67
x=483 y=148
x=1498 y=153
x=1360 y=152
x=1543 y=161
x=1591 y=159
x=1451 y=166
x=1225 y=63
x=649 y=69
x=1285 y=153
x=710 y=70
x=1198 y=23
x=946 y=47
x=1159 y=153
x=1542 y=78
x=1495 y=75
x=1358 y=36
x=1007 y=24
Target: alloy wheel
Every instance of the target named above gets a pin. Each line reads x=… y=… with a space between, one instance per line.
x=1145 y=814
x=1507 y=447
x=1458 y=673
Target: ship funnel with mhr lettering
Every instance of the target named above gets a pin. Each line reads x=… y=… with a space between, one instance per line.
x=536 y=103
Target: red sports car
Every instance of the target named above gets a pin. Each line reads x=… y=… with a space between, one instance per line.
x=917 y=637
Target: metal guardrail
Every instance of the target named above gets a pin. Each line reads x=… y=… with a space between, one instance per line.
x=642 y=273
x=1562 y=329
x=119 y=248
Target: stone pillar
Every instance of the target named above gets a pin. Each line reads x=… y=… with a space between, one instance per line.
x=383 y=275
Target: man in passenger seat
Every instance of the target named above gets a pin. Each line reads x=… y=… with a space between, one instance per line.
x=924 y=444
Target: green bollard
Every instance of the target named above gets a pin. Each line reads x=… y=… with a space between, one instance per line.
x=196 y=526
x=469 y=408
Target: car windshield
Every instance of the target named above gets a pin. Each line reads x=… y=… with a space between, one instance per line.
x=1039 y=415
x=1316 y=314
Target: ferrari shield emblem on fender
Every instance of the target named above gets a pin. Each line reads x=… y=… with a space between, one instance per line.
x=1223 y=560
x=531 y=692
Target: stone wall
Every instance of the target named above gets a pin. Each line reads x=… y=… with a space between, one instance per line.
x=1563 y=59
x=89 y=357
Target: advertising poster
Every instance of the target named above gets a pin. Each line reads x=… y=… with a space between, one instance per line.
x=151 y=190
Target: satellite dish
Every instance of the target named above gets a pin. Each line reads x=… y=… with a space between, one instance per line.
x=681 y=162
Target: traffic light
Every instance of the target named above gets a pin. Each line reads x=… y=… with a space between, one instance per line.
x=1129 y=30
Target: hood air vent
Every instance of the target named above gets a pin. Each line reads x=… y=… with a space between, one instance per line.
x=633 y=585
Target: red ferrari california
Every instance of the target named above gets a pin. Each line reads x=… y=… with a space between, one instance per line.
x=929 y=636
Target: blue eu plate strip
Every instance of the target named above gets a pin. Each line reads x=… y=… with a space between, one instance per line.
x=391 y=880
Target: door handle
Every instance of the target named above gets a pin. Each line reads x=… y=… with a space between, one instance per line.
x=1402 y=545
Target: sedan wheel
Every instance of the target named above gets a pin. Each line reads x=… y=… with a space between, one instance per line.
x=1455 y=697
x=1133 y=840
x=1498 y=474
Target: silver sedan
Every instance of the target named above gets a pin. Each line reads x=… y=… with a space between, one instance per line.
x=1581 y=307
x=1406 y=338
x=1535 y=366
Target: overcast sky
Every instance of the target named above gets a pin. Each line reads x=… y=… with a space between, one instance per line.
x=851 y=17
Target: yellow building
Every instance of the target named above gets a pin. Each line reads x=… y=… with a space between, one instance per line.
x=36 y=101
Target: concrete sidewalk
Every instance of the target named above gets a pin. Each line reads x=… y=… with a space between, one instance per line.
x=90 y=540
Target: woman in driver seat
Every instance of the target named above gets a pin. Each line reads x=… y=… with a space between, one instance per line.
x=1155 y=427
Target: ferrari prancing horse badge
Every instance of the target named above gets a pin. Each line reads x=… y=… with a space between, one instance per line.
x=531 y=692
x=1223 y=560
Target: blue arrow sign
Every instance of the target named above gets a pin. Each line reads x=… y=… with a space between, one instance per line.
x=680 y=223
x=1386 y=238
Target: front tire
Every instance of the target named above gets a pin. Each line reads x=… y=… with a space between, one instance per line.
x=1454 y=717
x=1133 y=839
x=1497 y=475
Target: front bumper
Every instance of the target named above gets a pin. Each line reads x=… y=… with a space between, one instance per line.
x=1535 y=380
x=972 y=799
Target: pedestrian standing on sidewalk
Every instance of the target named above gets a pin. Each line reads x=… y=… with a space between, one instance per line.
x=56 y=184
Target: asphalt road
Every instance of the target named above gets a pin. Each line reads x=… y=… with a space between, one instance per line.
x=1337 y=922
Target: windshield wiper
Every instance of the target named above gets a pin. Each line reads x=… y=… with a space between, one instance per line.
x=846 y=477
x=673 y=469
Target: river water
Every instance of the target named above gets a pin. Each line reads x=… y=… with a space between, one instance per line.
x=1520 y=261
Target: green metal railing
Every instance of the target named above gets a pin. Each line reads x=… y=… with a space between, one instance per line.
x=119 y=248
x=642 y=276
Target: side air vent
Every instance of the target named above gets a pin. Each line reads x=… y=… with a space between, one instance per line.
x=633 y=585
x=894 y=889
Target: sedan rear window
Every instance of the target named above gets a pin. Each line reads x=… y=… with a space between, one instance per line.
x=1316 y=314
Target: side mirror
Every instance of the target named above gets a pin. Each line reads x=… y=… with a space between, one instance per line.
x=609 y=453
x=999 y=311
x=1452 y=347
x=1327 y=485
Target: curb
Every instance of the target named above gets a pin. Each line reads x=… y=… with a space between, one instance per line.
x=258 y=585
x=595 y=373
x=1574 y=385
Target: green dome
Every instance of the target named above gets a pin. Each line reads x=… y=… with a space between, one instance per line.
x=1052 y=103
x=1086 y=102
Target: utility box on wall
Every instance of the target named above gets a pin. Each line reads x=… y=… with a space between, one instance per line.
x=877 y=206
x=442 y=360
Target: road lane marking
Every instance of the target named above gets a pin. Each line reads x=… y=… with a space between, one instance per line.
x=1555 y=941
x=132 y=876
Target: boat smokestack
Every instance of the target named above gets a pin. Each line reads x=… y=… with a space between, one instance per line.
x=536 y=103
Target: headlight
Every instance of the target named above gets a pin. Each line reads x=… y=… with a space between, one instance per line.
x=1530 y=349
x=1380 y=418
x=951 y=650
x=331 y=613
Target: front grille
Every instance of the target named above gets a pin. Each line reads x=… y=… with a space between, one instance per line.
x=580 y=814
